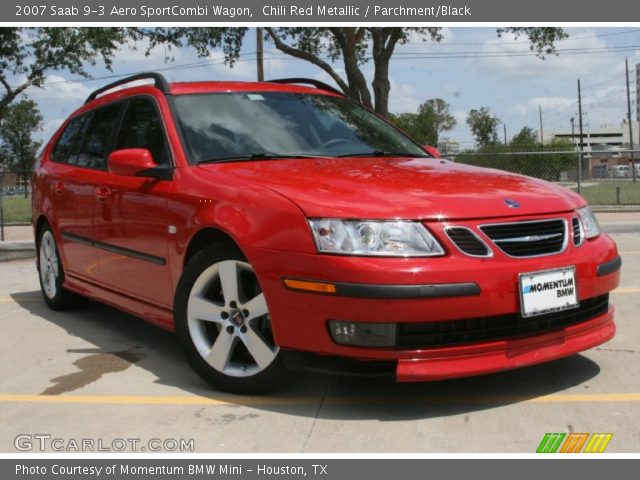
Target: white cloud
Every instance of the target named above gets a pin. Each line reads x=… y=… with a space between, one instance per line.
x=403 y=97
x=552 y=104
x=49 y=127
x=529 y=68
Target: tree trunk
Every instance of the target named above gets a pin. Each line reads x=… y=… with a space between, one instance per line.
x=348 y=39
x=381 y=87
x=384 y=43
x=355 y=78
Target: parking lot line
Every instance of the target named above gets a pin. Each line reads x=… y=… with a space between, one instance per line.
x=257 y=401
x=627 y=290
x=34 y=298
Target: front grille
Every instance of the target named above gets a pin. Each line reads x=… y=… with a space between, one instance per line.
x=577 y=231
x=455 y=332
x=468 y=242
x=528 y=239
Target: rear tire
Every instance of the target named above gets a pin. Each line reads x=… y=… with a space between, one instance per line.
x=51 y=274
x=223 y=323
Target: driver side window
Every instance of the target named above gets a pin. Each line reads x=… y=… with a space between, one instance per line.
x=142 y=128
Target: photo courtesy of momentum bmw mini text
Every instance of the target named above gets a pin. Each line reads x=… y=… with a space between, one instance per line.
x=319 y=239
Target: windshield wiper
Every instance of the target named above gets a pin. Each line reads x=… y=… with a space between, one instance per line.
x=382 y=153
x=258 y=156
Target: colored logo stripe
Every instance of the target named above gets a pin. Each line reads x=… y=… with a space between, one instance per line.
x=550 y=443
x=598 y=442
x=573 y=442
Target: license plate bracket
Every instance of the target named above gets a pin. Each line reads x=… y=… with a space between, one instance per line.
x=548 y=291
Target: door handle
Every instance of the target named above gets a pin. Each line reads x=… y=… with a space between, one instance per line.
x=59 y=187
x=103 y=193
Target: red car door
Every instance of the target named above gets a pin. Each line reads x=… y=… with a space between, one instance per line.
x=72 y=199
x=132 y=222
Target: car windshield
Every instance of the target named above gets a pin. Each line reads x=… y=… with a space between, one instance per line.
x=266 y=125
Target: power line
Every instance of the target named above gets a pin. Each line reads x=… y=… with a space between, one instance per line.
x=519 y=52
x=524 y=42
x=409 y=56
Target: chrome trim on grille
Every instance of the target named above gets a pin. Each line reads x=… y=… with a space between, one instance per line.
x=489 y=249
x=565 y=240
x=528 y=238
x=582 y=237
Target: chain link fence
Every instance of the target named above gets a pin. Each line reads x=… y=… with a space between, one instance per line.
x=15 y=206
x=603 y=177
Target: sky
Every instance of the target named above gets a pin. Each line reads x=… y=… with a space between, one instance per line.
x=470 y=68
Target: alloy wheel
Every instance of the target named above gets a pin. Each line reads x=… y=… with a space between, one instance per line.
x=49 y=268
x=228 y=320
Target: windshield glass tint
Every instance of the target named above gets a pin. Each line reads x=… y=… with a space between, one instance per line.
x=241 y=124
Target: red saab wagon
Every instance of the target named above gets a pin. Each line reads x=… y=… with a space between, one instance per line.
x=278 y=227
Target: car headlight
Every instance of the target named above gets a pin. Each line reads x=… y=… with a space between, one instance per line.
x=589 y=222
x=374 y=238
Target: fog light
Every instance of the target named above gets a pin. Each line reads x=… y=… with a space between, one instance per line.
x=363 y=334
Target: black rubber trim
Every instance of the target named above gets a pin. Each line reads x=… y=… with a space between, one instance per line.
x=609 y=267
x=114 y=249
x=360 y=290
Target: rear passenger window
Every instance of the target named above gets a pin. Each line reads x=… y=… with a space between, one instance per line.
x=69 y=139
x=93 y=152
x=142 y=128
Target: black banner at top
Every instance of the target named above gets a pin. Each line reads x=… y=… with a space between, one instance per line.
x=316 y=11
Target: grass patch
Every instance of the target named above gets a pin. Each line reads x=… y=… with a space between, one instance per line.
x=604 y=193
x=16 y=209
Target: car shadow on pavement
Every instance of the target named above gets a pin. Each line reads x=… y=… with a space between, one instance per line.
x=122 y=340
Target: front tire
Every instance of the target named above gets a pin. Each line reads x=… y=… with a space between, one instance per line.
x=223 y=324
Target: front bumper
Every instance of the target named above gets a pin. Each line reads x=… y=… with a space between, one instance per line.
x=508 y=354
x=300 y=319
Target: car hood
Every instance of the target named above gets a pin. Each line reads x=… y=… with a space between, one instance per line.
x=410 y=188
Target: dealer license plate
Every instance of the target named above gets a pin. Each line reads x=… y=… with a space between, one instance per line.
x=548 y=291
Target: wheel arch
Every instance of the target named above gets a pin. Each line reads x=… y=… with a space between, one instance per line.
x=205 y=237
x=38 y=224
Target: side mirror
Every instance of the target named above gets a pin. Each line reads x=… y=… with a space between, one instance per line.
x=433 y=151
x=136 y=162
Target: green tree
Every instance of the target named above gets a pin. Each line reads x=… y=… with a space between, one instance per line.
x=527 y=137
x=407 y=122
x=27 y=54
x=18 y=148
x=432 y=118
x=484 y=126
x=437 y=113
x=322 y=46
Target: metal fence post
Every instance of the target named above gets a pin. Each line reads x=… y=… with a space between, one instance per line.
x=1 y=207
x=579 y=170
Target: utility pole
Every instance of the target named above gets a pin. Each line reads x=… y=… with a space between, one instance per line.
x=581 y=144
x=633 y=165
x=541 y=135
x=259 y=54
x=504 y=126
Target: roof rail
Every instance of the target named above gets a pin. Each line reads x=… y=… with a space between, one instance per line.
x=160 y=83
x=308 y=81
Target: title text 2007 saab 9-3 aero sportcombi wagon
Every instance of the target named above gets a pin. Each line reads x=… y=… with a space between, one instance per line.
x=278 y=227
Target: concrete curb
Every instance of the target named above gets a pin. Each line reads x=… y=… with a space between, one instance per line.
x=621 y=228
x=615 y=208
x=18 y=246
